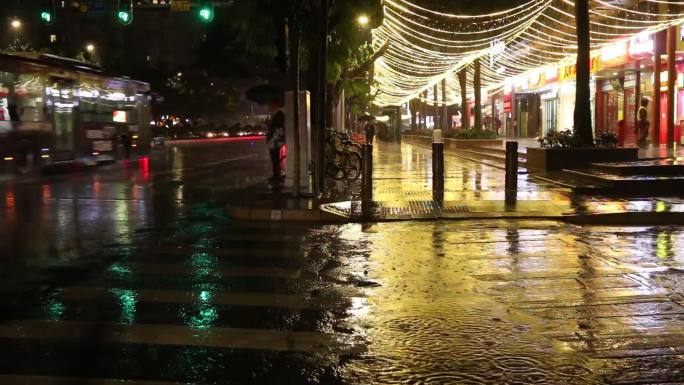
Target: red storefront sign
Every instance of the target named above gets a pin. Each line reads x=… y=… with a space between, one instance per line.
x=508 y=103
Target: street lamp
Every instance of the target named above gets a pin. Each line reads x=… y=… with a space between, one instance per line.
x=363 y=20
x=90 y=47
x=16 y=24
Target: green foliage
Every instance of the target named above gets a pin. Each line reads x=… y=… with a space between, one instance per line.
x=358 y=90
x=470 y=134
x=19 y=45
x=458 y=134
x=419 y=132
x=348 y=47
x=607 y=139
x=558 y=139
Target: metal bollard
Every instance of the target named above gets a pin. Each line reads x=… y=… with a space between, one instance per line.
x=367 y=182
x=437 y=167
x=511 y=172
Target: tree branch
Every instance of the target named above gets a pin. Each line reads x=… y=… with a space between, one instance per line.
x=366 y=65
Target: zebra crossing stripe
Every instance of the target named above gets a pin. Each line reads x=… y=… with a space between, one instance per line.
x=294 y=302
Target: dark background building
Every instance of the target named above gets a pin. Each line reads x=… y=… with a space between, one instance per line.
x=161 y=46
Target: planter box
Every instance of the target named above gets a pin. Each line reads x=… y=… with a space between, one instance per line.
x=469 y=143
x=453 y=143
x=559 y=158
x=417 y=139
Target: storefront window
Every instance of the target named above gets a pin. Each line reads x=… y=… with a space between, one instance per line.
x=550 y=115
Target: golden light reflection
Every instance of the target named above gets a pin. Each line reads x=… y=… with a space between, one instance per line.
x=664 y=245
x=122 y=216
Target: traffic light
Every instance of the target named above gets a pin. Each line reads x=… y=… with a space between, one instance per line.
x=47 y=12
x=205 y=12
x=124 y=12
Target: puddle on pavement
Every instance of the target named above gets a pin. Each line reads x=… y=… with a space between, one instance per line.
x=430 y=322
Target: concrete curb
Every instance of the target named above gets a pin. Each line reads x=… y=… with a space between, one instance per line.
x=627 y=219
x=318 y=215
x=282 y=215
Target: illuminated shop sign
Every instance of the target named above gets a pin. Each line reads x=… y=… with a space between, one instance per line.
x=551 y=74
x=614 y=54
x=641 y=44
x=120 y=116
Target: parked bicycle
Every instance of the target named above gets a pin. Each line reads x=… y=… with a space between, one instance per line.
x=343 y=157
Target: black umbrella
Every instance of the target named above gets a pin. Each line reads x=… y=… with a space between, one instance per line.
x=265 y=94
x=367 y=118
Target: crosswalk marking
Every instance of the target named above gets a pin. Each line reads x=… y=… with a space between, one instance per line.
x=183 y=297
x=171 y=269
x=271 y=252
x=234 y=338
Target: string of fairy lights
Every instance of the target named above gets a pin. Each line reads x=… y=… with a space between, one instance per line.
x=428 y=46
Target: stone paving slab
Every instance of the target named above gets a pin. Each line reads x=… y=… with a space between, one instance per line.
x=402 y=190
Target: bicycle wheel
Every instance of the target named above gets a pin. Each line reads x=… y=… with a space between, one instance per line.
x=335 y=166
x=353 y=147
x=352 y=166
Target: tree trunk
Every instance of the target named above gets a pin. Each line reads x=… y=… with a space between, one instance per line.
x=477 y=84
x=445 y=119
x=671 y=83
x=658 y=51
x=323 y=97
x=435 y=104
x=295 y=37
x=462 y=78
x=582 y=116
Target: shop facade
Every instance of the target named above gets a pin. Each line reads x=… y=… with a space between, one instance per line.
x=543 y=100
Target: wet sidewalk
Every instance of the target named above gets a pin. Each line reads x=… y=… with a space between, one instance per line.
x=402 y=190
x=182 y=293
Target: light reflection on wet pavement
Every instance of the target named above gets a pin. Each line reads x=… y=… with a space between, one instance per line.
x=402 y=189
x=184 y=294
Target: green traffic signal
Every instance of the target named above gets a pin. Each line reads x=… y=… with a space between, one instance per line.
x=125 y=12
x=47 y=12
x=206 y=13
x=124 y=17
x=46 y=17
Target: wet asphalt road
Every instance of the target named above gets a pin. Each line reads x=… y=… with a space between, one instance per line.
x=133 y=272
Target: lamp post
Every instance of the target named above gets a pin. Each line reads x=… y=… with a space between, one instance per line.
x=15 y=26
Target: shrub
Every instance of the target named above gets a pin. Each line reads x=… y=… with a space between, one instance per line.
x=419 y=132
x=607 y=139
x=470 y=134
x=558 y=139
